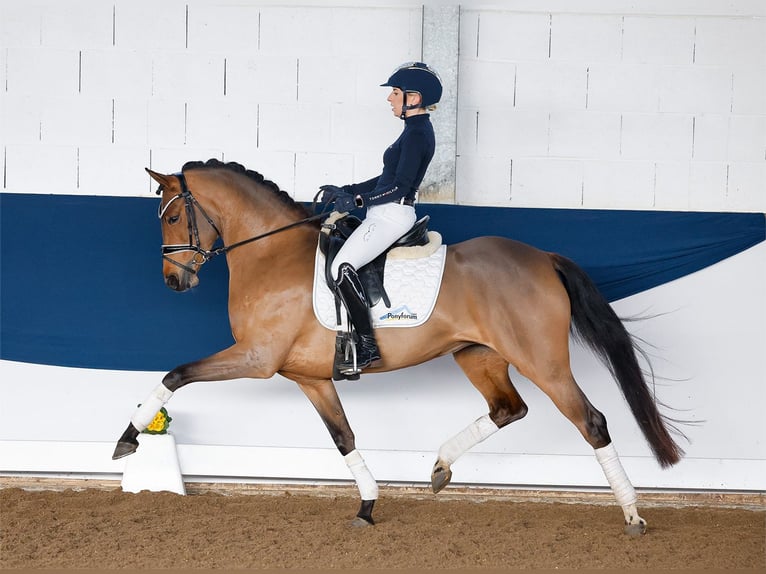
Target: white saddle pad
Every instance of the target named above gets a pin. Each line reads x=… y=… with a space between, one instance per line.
x=412 y=285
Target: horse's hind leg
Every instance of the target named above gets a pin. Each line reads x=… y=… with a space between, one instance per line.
x=488 y=372
x=563 y=390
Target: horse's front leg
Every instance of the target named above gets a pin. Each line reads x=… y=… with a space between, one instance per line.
x=231 y=363
x=324 y=397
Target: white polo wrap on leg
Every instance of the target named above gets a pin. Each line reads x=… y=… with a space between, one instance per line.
x=368 y=488
x=470 y=436
x=621 y=487
x=145 y=414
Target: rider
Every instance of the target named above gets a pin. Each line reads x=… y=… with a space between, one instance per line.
x=389 y=197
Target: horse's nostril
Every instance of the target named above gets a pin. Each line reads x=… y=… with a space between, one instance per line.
x=172 y=281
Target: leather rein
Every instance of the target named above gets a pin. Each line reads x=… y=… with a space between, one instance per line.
x=191 y=206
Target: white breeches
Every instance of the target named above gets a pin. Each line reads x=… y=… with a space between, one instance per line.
x=383 y=225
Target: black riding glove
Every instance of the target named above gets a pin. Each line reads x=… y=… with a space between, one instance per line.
x=346 y=202
x=331 y=193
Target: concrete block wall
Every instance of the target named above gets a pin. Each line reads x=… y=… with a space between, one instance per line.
x=605 y=104
x=92 y=91
x=613 y=105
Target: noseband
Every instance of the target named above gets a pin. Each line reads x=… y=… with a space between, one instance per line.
x=191 y=206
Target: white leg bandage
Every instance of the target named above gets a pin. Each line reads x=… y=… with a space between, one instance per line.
x=150 y=407
x=621 y=487
x=469 y=437
x=368 y=488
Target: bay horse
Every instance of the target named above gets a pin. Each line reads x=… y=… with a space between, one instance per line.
x=501 y=303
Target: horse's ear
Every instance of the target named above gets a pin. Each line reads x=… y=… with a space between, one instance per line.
x=163 y=180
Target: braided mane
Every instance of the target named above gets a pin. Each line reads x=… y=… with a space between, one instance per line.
x=235 y=167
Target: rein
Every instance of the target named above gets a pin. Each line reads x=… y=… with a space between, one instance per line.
x=191 y=205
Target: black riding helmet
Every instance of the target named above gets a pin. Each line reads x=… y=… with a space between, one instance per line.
x=416 y=77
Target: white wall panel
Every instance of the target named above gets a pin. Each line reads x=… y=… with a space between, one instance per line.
x=657 y=136
x=20 y=118
x=623 y=88
x=483 y=181
x=187 y=75
x=41 y=168
x=77 y=121
x=708 y=181
x=586 y=38
x=147 y=25
x=618 y=185
x=261 y=78
x=166 y=122
x=487 y=84
x=59 y=30
x=116 y=73
x=516 y=132
x=296 y=127
x=671 y=185
x=658 y=40
x=131 y=121
x=749 y=91
x=224 y=28
x=746 y=186
x=289 y=31
x=730 y=41
x=551 y=86
x=34 y=71
x=711 y=137
x=584 y=134
x=547 y=182
x=695 y=89
x=221 y=123
x=113 y=170
x=328 y=80
x=513 y=36
x=747 y=139
x=387 y=35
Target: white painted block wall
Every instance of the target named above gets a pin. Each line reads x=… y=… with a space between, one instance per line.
x=644 y=105
x=612 y=107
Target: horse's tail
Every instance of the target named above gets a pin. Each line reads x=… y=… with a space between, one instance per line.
x=595 y=323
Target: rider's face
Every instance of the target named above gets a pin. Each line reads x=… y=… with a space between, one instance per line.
x=396 y=99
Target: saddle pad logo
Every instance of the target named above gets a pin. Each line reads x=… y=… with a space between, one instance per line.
x=402 y=313
x=412 y=285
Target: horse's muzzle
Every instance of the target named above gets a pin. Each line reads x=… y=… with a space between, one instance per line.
x=183 y=283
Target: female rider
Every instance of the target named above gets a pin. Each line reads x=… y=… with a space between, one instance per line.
x=389 y=198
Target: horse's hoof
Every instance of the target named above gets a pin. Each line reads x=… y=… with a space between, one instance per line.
x=440 y=477
x=124 y=449
x=635 y=530
x=127 y=443
x=359 y=522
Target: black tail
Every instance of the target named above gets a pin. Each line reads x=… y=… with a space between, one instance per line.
x=595 y=323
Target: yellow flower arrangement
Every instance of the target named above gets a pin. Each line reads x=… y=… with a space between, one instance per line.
x=160 y=423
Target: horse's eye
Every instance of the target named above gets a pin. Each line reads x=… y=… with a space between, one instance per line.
x=173 y=219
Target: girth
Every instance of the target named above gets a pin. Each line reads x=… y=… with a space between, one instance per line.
x=371 y=275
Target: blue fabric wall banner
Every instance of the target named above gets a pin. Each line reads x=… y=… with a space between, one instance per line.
x=81 y=282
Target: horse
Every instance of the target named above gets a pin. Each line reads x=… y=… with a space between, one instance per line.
x=501 y=303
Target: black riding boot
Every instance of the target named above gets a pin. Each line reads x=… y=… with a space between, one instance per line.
x=352 y=294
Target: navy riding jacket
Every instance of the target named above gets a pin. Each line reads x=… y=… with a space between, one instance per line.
x=404 y=165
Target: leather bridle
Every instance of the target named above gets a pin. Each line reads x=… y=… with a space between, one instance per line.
x=191 y=207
